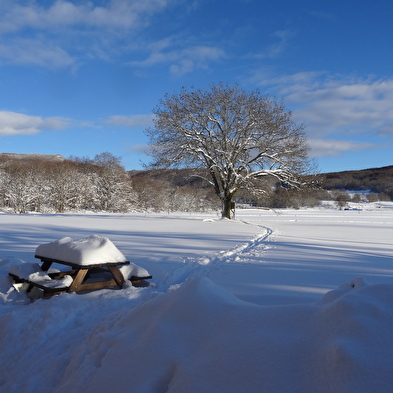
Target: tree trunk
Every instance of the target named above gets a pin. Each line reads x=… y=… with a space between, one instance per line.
x=226 y=207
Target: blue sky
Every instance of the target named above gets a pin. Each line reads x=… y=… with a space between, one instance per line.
x=78 y=78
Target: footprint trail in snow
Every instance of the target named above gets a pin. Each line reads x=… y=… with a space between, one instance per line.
x=205 y=265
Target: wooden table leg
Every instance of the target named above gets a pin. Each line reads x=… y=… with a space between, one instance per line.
x=46 y=265
x=79 y=277
x=117 y=275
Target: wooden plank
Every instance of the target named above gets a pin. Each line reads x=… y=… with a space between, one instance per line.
x=78 y=265
x=139 y=279
x=97 y=285
x=62 y=274
x=50 y=294
x=80 y=276
x=17 y=279
x=47 y=290
x=117 y=275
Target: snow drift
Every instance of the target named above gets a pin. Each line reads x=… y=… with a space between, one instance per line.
x=201 y=338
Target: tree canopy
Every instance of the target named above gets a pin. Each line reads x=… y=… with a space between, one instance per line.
x=237 y=135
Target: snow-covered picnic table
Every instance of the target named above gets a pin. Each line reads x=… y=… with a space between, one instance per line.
x=95 y=263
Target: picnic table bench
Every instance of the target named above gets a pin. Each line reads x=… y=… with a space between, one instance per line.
x=84 y=274
x=55 y=287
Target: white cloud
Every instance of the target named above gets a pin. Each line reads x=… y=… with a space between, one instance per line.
x=350 y=108
x=12 y=123
x=331 y=147
x=133 y=121
x=339 y=105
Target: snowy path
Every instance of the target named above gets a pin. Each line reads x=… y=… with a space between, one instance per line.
x=207 y=265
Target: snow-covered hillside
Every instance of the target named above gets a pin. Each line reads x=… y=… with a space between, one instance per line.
x=31 y=156
x=275 y=301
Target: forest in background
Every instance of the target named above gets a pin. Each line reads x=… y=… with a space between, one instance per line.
x=51 y=183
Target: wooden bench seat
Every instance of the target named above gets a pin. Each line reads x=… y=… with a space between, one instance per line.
x=47 y=291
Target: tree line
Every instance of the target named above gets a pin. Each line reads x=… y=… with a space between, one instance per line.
x=39 y=185
x=100 y=184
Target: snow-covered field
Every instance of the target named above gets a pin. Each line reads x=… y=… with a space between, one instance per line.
x=275 y=301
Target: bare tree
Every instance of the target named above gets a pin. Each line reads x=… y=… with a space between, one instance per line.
x=20 y=188
x=113 y=190
x=237 y=135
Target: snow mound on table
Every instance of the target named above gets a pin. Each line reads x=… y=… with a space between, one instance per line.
x=43 y=279
x=91 y=250
x=200 y=338
x=133 y=270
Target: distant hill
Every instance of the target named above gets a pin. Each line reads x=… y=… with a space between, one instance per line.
x=374 y=179
x=31 y=156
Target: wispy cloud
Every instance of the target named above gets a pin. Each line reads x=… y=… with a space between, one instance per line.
x=34 y=52
x=333 y=147
x=336 y=105
x=282 y=39
x=142 y=149
x=132 y=121
x=65 y=34
x=180 y=61
x=12 y=123
x=63 y=31
x=125 y=14
x=347 y=107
